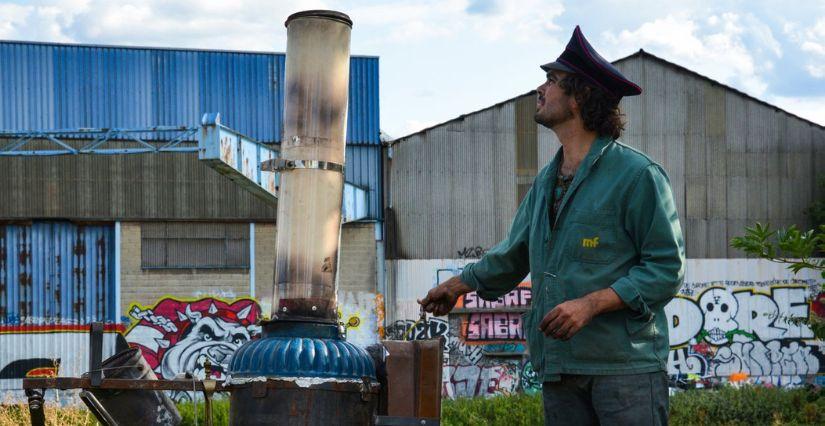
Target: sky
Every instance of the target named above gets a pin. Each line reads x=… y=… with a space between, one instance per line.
x=441 y=59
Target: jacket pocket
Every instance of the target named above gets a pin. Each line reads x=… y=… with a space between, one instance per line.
x=592 y=237
x=601 y=341
x=535 y=341
x=642 y=326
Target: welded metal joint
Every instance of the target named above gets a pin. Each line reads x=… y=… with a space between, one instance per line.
x=282 y=165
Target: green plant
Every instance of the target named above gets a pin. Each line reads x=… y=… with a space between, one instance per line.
x=798 y=250
x=220 y=412
x=790 y=246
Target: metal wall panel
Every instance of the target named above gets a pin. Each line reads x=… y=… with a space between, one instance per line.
x=454 y=187
x=164 y=186
x=47 y=86
x=56 y=272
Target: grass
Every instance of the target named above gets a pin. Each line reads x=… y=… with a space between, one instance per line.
x=728 y=406
x=15 y=414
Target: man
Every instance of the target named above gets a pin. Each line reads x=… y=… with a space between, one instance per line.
x=599 y=234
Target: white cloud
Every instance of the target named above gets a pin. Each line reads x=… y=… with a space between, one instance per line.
x=810 y=108
x=716 y=46
x=416 y=21
x=811 y=40
x=241 y=24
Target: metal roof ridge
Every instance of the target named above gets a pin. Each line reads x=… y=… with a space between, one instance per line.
x=645 y=53
x=174 y=49
x=639 y=53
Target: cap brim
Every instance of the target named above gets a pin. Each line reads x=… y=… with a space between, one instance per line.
x=558 y=66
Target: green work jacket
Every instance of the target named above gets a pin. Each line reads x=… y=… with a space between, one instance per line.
x=616 y=227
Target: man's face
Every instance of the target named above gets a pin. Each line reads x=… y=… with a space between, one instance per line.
x=553 y=106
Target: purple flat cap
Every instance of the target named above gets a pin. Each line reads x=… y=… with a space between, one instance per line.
x=579 y=57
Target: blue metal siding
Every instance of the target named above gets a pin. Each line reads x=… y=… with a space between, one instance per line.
x=56 y=272
x=53 y=86
x=363 y=116
x=363 y=169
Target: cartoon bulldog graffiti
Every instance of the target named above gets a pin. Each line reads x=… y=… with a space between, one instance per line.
x=178 y=336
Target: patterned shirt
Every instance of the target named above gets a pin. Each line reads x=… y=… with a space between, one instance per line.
x=562 y=184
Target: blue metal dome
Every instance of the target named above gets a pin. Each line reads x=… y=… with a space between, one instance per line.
x=284 y=353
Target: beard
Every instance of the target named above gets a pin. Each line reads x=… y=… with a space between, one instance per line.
x=551 y=119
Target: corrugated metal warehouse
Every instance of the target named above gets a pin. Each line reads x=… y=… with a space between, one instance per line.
x=124 y=238
x=452 y=190
x=732 y=159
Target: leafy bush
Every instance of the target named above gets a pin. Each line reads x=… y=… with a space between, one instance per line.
x=749 y=405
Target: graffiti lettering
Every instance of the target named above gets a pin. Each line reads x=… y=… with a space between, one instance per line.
x=415 y=330
x=519 y=297
x=494 y=326
x=473 y=380
x=472 y=252
x=724 y=332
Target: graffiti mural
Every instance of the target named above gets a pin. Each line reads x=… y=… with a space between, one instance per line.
x=48 y=350
x=487 y=323
x=179 y=336
x=731 y=317
x=723 y=329
x=484 y=353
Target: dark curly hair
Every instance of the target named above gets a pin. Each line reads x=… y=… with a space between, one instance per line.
x=599 y=109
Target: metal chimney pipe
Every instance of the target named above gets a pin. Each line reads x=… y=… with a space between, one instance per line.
x=312 y=165
x=302 y=371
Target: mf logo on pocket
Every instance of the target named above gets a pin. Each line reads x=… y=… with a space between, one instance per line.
x=590 y=242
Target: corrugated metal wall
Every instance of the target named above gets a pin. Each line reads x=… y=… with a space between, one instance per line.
x=456 y=186
x=53 y=86
x=123 y=187
x=56 y=272
x=732 y=161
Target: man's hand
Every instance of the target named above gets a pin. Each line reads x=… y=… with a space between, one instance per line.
x=441 y=299
x=567 y=318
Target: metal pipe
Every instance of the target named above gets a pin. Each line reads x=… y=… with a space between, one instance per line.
x=309 y=209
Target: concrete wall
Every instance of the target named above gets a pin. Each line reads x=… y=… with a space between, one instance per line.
x=145 y=287
x=357 y=265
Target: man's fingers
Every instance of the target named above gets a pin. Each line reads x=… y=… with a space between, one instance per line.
x=548 y=318
x=562 y=331
x=571 y=332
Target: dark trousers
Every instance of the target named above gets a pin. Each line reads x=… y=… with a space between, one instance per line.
x=632 y=399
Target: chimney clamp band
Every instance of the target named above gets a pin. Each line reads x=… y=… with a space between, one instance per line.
x=282 y=165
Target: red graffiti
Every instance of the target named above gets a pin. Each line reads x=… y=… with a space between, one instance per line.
x=180 y=336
